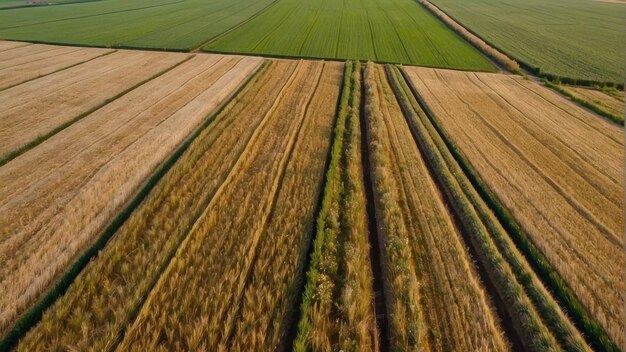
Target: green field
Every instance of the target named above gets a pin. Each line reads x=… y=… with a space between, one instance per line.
x=398 y=31
x=581 y=39
x=158 y=24
x=17 y=3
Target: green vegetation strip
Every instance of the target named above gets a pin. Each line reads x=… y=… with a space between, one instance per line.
x=44 y=137
x=589 y=105
x=565 y=297
x=327 y=227
x=34 y=315
x=341 y=239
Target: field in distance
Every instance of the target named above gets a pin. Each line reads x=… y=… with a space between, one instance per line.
x=158 y=24
x=25 y=3
x=397 y=31
x=400 y=31
x=580 y=39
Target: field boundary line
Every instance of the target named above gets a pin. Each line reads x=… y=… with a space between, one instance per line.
x=59 y=70
x=499 y=63
x=591 y=330
x=527 y=67
x=15 y=47
x=44 y=137
x=293 y=333
x=232 y=29
x=31 y=317
x=335 y=59
x=595 y=108
x=373 y=197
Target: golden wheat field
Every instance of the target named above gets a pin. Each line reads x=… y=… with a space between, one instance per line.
x=566 y=190
x=161 y=201
x=64 y=191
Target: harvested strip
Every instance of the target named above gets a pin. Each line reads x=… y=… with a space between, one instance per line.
x=270 y=296
x=6 y=45
x=24 y=65
x=480 y=223
x=579 y=239
x=104 y=297
x=607 y=102
x=337 y=309
x=37 y=107
x=217 y=256
x=454 y=309
x=65 y=190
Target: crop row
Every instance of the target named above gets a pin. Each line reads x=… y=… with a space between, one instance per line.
x=378 y=254
x=65 y=191
x=564 y=193
x=337 y=308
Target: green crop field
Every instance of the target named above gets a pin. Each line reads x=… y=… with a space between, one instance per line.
x=17 y=3
x=158 y=24
x=399 y=31
x=580 y=39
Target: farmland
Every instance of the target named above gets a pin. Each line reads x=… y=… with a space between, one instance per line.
x=56 y=202
x=399 y=31
x=4 y=4
x=420 y=233
x=568 y=179
x=206 y=201
x=68 y=94
x=582 y=40
x=164 y=24
x=24 y=63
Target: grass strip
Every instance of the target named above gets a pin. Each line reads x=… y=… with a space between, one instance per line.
x=565 y=297
x=33 y=316
x=42 y=138
x=336 y=300
x=327 y=221
x=589 y=105
x=487 y=49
